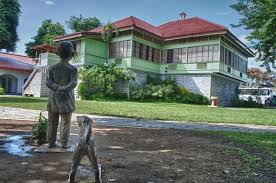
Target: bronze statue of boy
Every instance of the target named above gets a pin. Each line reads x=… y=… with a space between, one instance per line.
x=61 y=79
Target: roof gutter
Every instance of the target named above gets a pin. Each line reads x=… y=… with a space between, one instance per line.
x=248 y=50
x=196 y=35
x=76 y=35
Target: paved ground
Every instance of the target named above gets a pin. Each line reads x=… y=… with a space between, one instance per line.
x=27 y=114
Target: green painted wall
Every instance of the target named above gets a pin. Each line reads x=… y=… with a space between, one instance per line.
x=95 y=52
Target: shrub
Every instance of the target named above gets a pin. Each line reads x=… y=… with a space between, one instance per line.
x=192 y=98
x=101 y=80
x=167 y=90
x=137 y=92
x=250 y=103
x=2 y=91
x=39 y=130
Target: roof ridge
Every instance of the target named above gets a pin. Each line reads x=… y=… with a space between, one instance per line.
x=172 y=21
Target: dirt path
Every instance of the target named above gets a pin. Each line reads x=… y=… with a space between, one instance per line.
x=132 y=155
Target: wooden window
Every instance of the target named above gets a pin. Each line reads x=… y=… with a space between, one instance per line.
x=225 y=56
x=129 y=48
x=205 y=54
x=156 y=55
x=150 y=54
x=164 y=56
x=190 y=51
x=194 y=54
x=147 y=52
x=111 y=50
x=170 y=56
x=144 y=56
x=183 y=55
x=199 y=54
x=229 y=58
x=176 y=55
x=216 y=53
x=210 y=53
x=138 y=49
x=134 y=49
x=121 y=50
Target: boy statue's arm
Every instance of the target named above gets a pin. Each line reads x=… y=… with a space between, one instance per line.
x=49 y=81
x=72 y=84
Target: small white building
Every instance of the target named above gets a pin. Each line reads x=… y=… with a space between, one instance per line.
x=14 y=72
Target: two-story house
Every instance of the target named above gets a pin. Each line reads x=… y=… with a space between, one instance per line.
x=204 y=57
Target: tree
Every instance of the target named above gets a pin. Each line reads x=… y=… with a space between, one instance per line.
x=45 y=35
x=83 y=24
x=9 y=15
x=259 y=77
x=109 y=31
x=260 y=17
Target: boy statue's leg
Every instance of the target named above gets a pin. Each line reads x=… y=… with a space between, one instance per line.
x=53 y=119
x=65 y=129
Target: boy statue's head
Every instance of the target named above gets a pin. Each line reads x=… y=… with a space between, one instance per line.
x=65 y=50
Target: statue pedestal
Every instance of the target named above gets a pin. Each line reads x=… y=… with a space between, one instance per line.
x=45 y=149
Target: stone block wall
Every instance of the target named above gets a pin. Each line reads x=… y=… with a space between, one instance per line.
x=33 y=88
x=44 y=89
x=196 y=83
x=226 y=89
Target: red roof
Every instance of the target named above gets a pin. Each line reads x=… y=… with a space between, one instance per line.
x=133 y=22
x=173 y=29
x=187 y=27
x=16 y=62
x=22 y=58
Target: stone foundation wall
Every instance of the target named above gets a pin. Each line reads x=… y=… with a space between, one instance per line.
x=226 y=89
x=34 y=86
x=196 y=83
x=44 y=89
x=37 y=86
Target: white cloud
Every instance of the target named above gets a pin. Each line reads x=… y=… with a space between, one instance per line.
x=243 y=39
x=48 y=2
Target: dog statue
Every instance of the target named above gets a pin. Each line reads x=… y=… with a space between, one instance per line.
x=85 y=146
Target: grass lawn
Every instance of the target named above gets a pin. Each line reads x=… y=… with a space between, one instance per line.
x=257 y=150
x=156 y=110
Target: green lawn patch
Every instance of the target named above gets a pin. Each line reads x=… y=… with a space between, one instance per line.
x=157 y=110
x=257 y=150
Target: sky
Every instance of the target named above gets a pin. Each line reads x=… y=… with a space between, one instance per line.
x=155 y=12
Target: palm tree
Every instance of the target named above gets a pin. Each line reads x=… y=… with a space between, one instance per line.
x=108 y=33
